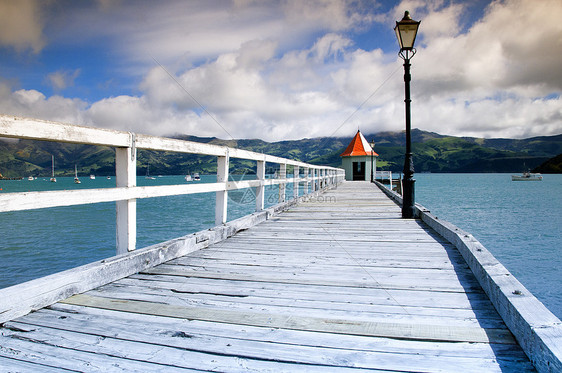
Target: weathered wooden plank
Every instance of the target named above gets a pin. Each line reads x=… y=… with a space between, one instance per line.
x=265 y=271
x=362 y=280
x=14 y=365
x=70 y=317
x=315 y=308
x=265 y=350
x=43 y=353
x=330 y=250
x=346 y=260
x=337 y=326
x=361 y=295
x=371 y=250
x=444 y=307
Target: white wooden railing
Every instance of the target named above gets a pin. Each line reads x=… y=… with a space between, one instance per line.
x=382 y=175
x=126 y=192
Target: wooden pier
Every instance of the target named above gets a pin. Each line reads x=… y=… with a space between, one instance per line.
x=338 y=283
x=330 y=278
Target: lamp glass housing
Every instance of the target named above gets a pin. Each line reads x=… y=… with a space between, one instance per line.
x=406 y=31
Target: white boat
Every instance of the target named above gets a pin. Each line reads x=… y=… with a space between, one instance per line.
x=196 y=177
x=53 y=178
x=188 y=178
x=527 y=176
x=92 y=177
x=148 y=173
x=30 y=178
x=76 y=179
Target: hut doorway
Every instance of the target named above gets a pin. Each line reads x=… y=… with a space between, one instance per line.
x=358 y=171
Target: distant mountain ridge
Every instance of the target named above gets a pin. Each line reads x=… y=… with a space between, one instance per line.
x=432 y=153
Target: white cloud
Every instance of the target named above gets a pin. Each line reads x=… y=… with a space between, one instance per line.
x=62 y=79
x=512 y=45
x=32 y=103
x=287 y=70
x=21 y=26
x=511 y=118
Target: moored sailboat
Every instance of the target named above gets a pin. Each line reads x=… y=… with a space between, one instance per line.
x=53 y=178
x=148 y=173
x=76 y=179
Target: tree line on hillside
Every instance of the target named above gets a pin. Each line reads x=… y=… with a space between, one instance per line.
x=432 y=153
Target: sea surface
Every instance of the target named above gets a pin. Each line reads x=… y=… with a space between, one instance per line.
x=519 y=222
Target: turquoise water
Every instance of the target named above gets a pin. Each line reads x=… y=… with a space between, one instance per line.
x=519 y=222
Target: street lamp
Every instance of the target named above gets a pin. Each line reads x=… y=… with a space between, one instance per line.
x=406 y=31
x=372 y=151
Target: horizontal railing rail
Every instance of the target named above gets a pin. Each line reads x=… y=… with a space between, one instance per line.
x=314 y=177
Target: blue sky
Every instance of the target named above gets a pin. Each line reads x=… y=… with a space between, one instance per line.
x=284 y=69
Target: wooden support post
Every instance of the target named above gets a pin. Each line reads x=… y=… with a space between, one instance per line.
x=126 y=210
x=221 y=204
x=282 y=175
x=260 y=191
x=296 y=182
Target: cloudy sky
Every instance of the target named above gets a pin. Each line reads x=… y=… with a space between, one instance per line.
x=283 y=69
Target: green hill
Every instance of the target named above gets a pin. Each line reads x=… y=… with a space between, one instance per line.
x=552 y=166
x=432 y=153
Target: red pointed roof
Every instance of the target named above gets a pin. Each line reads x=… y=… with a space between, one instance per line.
x=358 y=146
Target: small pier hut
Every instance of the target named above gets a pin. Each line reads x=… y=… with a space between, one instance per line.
x=359 y=159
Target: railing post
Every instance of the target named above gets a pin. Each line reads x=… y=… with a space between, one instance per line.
x=221 y=204
x=282 y=175
x=306 y=181
x=126 y=210
x=316 y=179
x=260 y=190
x=296 y=182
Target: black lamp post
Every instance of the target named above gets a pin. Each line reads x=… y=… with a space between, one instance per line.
x=406 y=31
x=372 y=168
